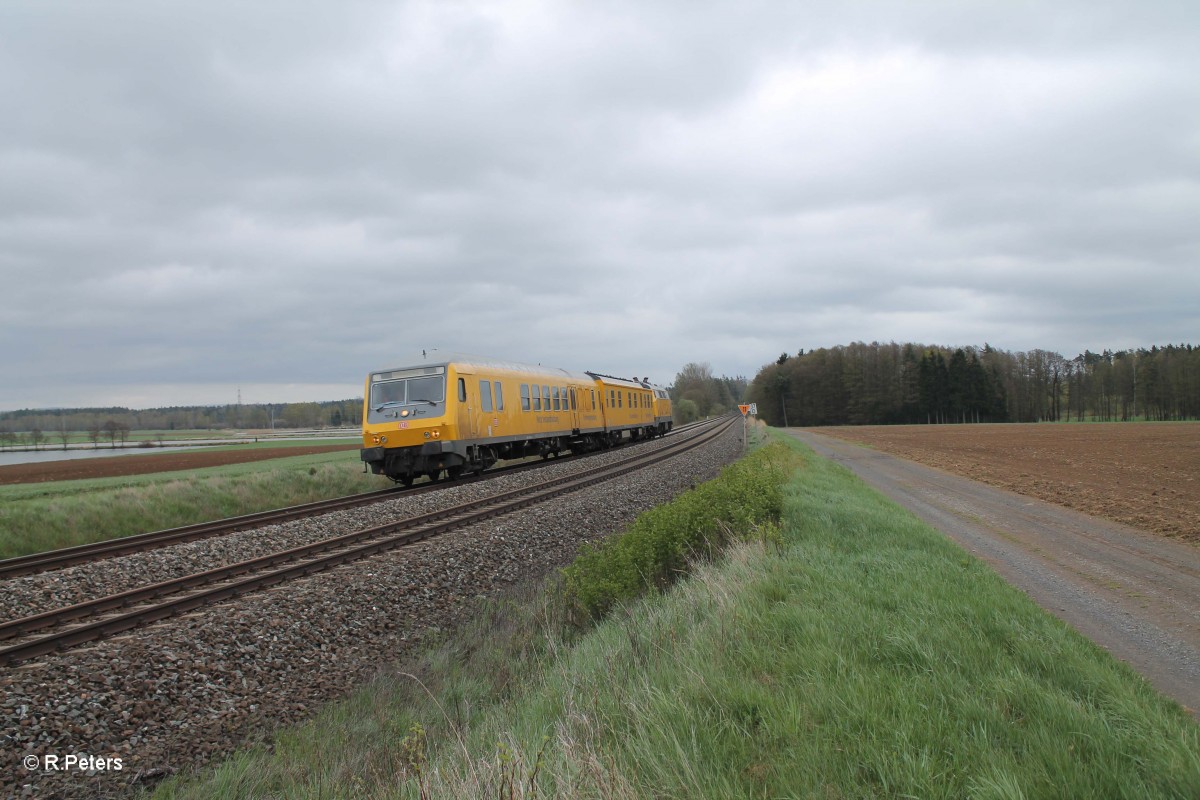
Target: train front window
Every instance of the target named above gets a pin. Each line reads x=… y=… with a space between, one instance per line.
x=426 y=390
x=431 y=390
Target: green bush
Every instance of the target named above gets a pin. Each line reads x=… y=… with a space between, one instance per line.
x=741 y=502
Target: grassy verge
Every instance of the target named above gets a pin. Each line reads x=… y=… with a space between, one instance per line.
x=858 y=654
x=43 y=516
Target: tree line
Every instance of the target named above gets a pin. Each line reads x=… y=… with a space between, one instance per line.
x=879 y=384
x=697 y=393
x=31 y=427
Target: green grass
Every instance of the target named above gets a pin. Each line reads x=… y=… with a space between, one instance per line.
x=41 y=516
x=859 y=654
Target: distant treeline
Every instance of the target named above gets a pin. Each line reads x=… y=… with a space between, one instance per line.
x=335 y=413
x=879 y=384
x=698 y=393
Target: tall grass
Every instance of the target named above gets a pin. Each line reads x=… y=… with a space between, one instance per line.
x=37 y=517
x=858 y=654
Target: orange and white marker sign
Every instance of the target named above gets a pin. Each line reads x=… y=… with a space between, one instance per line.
x=744 y=409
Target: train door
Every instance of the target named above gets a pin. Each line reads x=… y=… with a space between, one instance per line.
x=467 y=397
x=573 y=398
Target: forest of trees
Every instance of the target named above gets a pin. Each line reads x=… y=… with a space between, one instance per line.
x=861 y=384
x=34 y=427
x=697 y=393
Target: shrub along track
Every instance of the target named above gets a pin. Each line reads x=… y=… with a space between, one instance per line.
x=166 y=696
x=227 y=581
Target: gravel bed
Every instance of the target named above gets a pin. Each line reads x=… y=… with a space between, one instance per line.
x=184 y=692
x=34 y=594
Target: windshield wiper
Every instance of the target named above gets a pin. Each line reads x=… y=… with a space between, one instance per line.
x=388 y=404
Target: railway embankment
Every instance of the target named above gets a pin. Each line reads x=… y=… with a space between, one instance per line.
x=179 y=694
x=848 y=650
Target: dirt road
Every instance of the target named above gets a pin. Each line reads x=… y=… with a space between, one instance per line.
x=1133 y=593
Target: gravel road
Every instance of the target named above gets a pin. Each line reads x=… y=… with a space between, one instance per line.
x=1133 y=593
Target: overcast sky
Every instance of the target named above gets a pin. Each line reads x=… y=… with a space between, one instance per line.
x=282 y=196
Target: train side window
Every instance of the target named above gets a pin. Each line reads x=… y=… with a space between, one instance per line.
x=620 y=400
x=485 y=395
x=593 y=399
x=499 y=396
x=525 y=404
x=546 y=397
x=557 y=399
x=573 y=398
x=537 y=397
x=462 y=390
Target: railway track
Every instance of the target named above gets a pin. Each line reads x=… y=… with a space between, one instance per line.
x=141 y=606
x=82 y=554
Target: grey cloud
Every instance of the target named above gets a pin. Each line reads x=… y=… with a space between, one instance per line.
x=292 y=194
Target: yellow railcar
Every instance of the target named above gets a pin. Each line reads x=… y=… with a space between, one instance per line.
x=663 y=420
x=465 y=414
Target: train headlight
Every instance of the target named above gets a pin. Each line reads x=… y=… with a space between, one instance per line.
x=437 y=434
x=404 y=413
x=383 y=440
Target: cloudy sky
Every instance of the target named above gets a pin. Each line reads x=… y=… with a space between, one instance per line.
x=282 y=196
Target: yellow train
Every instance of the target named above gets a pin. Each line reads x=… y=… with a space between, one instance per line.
x=464 y=415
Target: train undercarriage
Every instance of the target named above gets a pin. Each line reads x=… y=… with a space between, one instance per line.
x=435 y=459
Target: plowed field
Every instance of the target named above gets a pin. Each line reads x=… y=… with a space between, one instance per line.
x=117 y=466
x=1146 y=475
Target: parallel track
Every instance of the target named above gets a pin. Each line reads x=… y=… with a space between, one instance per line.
x=127 y=545
x=226 y=582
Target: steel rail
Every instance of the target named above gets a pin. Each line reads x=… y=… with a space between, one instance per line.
x=46 y=561
x=349 y=547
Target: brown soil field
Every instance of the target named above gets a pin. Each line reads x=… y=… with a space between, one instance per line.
x=1145 y=475
x=119 y=466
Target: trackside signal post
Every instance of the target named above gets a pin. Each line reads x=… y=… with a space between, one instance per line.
x=745 y=409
